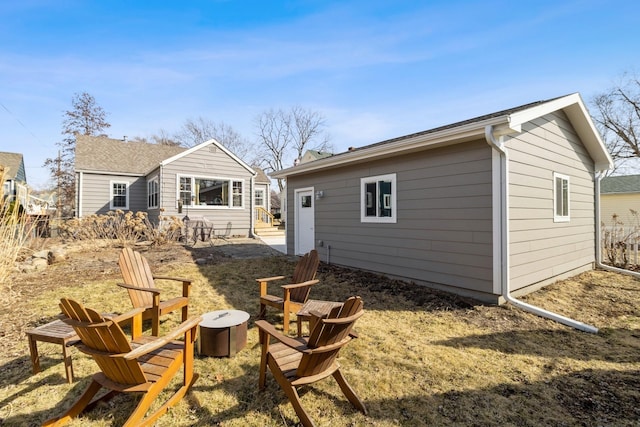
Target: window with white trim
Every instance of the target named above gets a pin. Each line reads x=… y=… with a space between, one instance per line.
x=153 y=192
x=209 y=192
x=560 y=198
x=119 y=195
x=378 y=198
x=258 y=198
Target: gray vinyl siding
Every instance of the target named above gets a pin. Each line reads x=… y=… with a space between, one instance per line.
x=443 y=232
x=96 y=192
x=208 y=162
x=540 y=248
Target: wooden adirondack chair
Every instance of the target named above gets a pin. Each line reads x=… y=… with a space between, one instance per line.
x=295 y=362
x=140 y=283
x=145 y=364
x=296 y=292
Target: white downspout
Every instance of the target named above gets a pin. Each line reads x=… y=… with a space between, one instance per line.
x=599 y=263
x=251 y=207
x=504 y=243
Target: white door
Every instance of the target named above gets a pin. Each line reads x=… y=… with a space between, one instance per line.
x=305 y=221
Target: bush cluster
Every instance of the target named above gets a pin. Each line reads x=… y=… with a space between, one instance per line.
x=125 y=227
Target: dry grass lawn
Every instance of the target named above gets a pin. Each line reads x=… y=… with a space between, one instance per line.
x=423 y=357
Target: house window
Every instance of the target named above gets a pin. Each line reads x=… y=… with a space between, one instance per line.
x=153 y=190
x=119 y=195
x=560 y=198
x=210 y=192
x=258 y=197
x=378 y=198
x=237 y=194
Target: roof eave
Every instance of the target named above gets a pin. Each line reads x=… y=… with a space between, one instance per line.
x=405 y=145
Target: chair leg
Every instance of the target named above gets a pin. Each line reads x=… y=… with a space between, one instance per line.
x=263 y=311
x=262 y=377
x=155 y=323
x=285 y=326
x=349 y=392
x=77 y=407
x=292 y=394
x=135 y=419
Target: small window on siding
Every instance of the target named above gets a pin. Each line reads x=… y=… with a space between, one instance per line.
x=561 y=198
x=119 y=195
x=153 y=189
x=237 y=194
x=378 y=199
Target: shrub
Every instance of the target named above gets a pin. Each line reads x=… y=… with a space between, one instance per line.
x=125 y=227
x=15 y=233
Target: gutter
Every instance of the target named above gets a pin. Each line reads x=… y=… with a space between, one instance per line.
x=499 y=146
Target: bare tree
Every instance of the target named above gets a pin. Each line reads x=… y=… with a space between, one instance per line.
x=287 y=134
x=617 y=115
x=307 y=128
x=274 y=133
x=197 y=131
x=86 y=117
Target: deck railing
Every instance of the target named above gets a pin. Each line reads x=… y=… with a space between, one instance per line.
x=263 y=217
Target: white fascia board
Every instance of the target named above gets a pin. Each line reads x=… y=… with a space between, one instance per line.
x=204 y=144
x=408 y=144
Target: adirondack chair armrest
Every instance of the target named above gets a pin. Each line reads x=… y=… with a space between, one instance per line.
x=182 y=329
x=119 y=318
x=175 y=279
x=343 y=320
x=263 y=283
x=297 y=344
x=300 y=285
x=136 y=288
x=186 y=283
x=270 y=279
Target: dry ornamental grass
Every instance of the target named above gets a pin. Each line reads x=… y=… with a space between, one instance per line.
x=422 y=357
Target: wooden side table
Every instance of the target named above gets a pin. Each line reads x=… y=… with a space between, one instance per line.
x=56 y=332
x=222 y=333
x=323 y=307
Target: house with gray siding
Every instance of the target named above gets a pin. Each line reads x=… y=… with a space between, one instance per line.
x=15 y=177
x=204 y=181
x=502 y=203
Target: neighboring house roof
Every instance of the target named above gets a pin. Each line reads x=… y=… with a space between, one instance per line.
x=12 y=163
x=504 y=122
x=261 y=177
x=311 y=155
x=102 y=154
x=620 y=184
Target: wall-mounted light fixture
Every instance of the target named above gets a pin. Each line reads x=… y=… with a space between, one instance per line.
x=319 y=194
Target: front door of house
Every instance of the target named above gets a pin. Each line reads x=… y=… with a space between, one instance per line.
x=305 y=221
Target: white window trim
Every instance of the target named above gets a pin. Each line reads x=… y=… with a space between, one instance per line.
x=157 y=181
x=230 y=182
x=394 y=191
x=556 y=216
x=111 y=195
x=264 y=197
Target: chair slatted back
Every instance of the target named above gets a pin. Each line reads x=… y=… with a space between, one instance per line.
x=105 y=341
x=136 y=271
x=305 y=270
x=329 y=335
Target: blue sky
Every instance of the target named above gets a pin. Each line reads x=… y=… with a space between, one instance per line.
x=374 y=69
